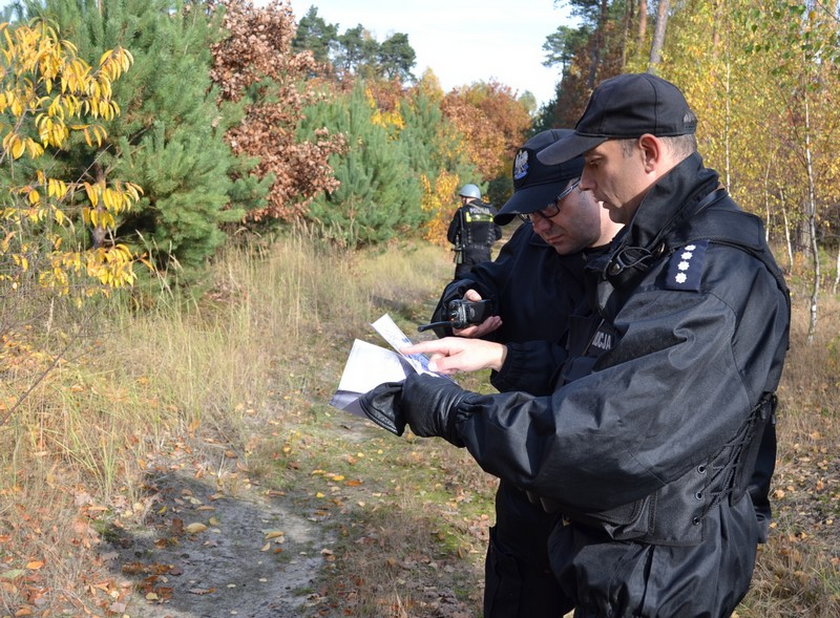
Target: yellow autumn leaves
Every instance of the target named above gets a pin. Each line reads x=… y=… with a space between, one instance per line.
x=439 y=199
x=48 y=93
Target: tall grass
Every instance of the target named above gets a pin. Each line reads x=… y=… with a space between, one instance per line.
x=103 y=400
x=796 y=572
x=265 y=341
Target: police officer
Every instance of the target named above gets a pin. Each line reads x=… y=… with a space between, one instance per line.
x=647 y=445
x=472 y=230
x=535 y=283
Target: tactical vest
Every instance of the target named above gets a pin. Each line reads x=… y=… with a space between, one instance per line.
x=477 y=227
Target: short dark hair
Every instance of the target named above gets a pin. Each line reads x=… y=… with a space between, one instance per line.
x=681 y=146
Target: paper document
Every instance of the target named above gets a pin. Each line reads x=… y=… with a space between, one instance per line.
x=391 y=333
x=369 y=365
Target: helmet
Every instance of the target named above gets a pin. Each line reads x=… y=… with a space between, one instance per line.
x=470 y=191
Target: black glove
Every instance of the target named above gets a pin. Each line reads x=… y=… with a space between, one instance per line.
x=382 y=406
x=428 y=405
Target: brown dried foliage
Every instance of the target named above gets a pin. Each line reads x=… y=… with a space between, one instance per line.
x=386 y=93
x=493 y=122
x=258 y=47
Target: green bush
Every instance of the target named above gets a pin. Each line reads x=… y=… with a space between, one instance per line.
x=379 y=196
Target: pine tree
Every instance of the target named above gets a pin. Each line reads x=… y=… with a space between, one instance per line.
x=430 y=141
x=315 y=35
x=169 y=139
x=379 y=195
x=397 y=57
x=435 y=151
x=357 y=53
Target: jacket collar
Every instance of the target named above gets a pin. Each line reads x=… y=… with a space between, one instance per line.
x=669 y=203
x=672 y=199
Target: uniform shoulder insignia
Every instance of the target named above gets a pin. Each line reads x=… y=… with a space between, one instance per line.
x=685 y=269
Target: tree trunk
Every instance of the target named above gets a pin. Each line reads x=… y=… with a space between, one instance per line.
x=728 y=123
x=598 y=43
x=836 y=272
x=717 y=27
x=625 y=35
x=659 y=35
x=787 y=237
x=99 y=231
x=642 y=23
x=812 y=225
x=767 y=200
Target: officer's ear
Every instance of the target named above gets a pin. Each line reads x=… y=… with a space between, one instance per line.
x=652 y=151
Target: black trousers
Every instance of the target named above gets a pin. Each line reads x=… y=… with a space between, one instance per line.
x=519 y=582
x=470 y=258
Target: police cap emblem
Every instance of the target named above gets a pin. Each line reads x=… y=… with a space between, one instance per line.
x=520 y=165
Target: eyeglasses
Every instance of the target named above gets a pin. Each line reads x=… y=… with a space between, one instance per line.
x=554 y=208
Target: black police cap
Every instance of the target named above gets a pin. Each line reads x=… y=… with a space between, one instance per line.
x=623 y=107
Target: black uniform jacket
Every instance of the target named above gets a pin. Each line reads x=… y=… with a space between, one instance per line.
x=694 y=334
x=473 y=230
x=535 y=290
x=686 y=367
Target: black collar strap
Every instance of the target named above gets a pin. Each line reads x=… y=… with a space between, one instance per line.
x=641 y=257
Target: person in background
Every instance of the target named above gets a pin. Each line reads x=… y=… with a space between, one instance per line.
x=536 y=284
x=472 y=230
x=647 y=448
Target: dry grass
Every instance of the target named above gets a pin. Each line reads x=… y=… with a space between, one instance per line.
x=797 y=571
x=414 y=544
x=267 y=343
x=106 y=398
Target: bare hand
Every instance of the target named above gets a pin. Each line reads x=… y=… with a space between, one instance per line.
x=479 y=330
x=452 y=354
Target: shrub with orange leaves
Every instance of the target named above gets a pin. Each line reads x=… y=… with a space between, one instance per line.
x=384 y=98
x=494 y=122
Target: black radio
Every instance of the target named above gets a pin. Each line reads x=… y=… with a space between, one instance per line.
x=463 y=313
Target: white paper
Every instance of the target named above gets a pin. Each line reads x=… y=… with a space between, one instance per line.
x=369 y=365
x=392 y=333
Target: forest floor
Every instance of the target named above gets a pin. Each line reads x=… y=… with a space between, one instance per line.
x=328 y=515
x=321 y=514
x=208 y=551
x=290 y=508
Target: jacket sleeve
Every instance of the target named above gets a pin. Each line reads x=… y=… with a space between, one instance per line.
x=530 y=366
x=454 y=228
x=675 y=387
x=455 y=290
